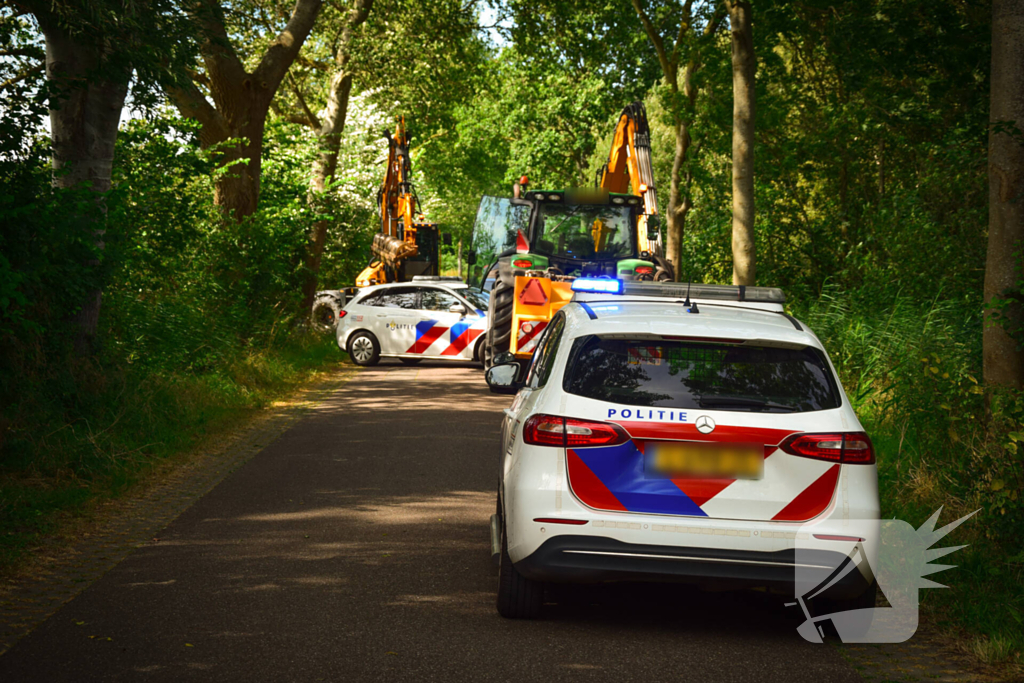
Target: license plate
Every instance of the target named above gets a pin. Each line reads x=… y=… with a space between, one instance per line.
x=689 y=460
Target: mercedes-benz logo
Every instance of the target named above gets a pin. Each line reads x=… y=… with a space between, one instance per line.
x=705 y=425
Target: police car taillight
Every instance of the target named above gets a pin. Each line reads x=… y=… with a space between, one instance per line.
x=850 y=448
x=568 y=432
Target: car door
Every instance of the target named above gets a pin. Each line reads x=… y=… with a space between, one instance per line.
x=439 y=331
x=396 y=317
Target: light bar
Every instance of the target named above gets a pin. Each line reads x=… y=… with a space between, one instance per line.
x=602 y=285
x=678 y=290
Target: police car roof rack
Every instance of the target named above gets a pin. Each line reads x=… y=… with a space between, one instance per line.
x=680 y=290
x=436 y=278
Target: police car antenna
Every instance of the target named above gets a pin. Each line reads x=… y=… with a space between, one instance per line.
x=690 y=306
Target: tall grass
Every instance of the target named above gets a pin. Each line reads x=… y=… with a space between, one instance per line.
x=912 y=373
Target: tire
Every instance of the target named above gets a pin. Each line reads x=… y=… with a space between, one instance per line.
x=499 y=313
x=324 y=315
x=518 y=596
x=663 y=271
x=364 y=349
x=410 y=361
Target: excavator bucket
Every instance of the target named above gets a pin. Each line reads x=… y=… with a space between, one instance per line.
x=392 y=250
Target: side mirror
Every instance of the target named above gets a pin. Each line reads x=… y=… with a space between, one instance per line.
x=503 y=379
x=471 y=258
x=653 y=228
x=446 y=238
x=457 y=308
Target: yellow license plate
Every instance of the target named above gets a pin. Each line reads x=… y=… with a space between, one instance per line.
x=689 y=460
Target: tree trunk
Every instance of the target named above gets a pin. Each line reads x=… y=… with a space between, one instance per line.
x=744 y=255
x=241 y=100
x=678 y=202
x=237 y=190
x=90 y=93
x=1003 y=361
x=326 y=164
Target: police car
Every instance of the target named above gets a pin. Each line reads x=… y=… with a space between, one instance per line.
x=430 y=317
x=662 y=432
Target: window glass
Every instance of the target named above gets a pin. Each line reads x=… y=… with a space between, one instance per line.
x=370 y=300
x=585 y=231
x=544 y=356
x=399 y=297
x=692 y=375
x=437 y=300
x=498 y=221
x=480 y=300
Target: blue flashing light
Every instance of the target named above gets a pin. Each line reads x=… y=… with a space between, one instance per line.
x=602 y=285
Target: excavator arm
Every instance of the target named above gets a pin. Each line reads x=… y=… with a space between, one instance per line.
x=396 y=242
x=629 y=162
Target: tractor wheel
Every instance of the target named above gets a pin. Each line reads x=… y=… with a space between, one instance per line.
x=324 y=316
x=663 y=271
x=499 y=313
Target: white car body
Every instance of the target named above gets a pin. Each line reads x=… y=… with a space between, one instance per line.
x=601 y=519
x=423 y=329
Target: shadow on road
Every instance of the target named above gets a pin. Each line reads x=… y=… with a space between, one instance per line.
x=356 y=547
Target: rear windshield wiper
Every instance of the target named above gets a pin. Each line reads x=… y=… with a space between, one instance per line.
x=752 y=403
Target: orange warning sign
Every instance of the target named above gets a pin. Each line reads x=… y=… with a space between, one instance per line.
x=533 y=294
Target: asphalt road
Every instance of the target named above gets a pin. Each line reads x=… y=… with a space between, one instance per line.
x=356 y=548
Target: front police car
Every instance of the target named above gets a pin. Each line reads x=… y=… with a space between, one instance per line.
x=703 y=441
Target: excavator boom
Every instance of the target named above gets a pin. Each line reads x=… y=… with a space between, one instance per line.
x=405 y=238
x=629 y=163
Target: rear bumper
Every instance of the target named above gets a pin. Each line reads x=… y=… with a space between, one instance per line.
x=591 y=559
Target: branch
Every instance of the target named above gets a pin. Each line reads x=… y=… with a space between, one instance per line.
x=668 y=68
x=192 y=104
x=282 y=52
x=222 y=63
x=356 y=17
x=17 y=79
x=311 y=119
x=684 y=26
x=33 y=52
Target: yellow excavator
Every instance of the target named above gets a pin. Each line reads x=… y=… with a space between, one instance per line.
x=407 y=244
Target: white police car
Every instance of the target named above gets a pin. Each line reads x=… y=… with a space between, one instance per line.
x=430 y=317
x=658 y=437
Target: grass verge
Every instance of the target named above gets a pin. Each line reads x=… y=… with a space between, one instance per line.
x=133 y=422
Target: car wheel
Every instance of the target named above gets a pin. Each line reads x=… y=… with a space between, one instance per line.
x=518 y=596
x=410 y=361
x=363 y=349
x=500 y=314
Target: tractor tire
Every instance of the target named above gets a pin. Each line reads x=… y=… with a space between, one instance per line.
x=499 y=313
x=324 y=315
x=663 y=271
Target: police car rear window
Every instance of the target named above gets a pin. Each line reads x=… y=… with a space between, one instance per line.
x=675 y=374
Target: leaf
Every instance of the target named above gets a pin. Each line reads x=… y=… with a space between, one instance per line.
x=1016 y=436
x=189 y=645
x=998 y=484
